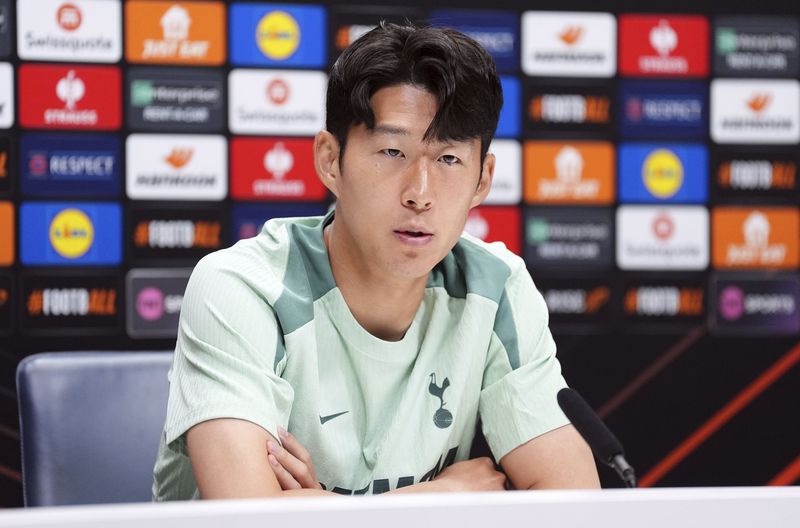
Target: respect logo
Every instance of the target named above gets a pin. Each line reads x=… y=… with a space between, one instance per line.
x=71 y=233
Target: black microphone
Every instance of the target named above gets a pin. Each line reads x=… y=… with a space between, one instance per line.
x=604 y=444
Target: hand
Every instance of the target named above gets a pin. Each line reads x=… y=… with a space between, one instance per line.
x=477 y=474
x=291 y=463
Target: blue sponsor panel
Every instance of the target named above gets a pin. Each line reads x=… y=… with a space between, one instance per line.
x=70 y=233
x=284 y=35
x=248 y=219
x=497 y=31
x=510 y=122
x=652 y=109
x=70 y=165
x=663 y=173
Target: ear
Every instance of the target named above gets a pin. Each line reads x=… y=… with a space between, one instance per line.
x=326 y=160
x=485 y=182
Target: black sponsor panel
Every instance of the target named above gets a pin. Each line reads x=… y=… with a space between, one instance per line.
x=6 y=303
x=6 y=164
x=662 y=304
x=757 y=46
x=173 y=99
x=5 y=28
x=568 y=108
x=348 y=22
x=176 y=234
x=743 y=174
x=71 y=304
x=153 y=301
x=756 y=304
x=577 y=239
x=577 y=303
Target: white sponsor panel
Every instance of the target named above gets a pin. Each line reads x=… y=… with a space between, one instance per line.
x=176 y=167
x=69 y=30
x=507 y=184
x=569 y=44
x=6 y=95
x=279 y=102
x=662 y=238
x=762 y=111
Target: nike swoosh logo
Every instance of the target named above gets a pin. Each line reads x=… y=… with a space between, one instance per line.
x=323 y=419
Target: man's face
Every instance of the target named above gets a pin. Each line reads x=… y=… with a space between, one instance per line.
x=402 y=202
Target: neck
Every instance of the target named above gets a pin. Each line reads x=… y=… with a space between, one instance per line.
x=383 y=305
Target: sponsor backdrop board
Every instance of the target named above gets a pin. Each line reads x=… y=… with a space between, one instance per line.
x=646 y=173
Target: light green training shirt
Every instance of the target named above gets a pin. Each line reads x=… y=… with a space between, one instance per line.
x=266 y=336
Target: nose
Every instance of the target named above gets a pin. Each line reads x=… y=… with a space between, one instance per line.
x=416 y=192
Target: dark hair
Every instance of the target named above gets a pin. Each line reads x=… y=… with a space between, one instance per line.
x=454 y=68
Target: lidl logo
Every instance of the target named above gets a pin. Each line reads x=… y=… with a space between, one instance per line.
x=63 y=233
x=766 y=237
x=164 y=32
x=653 y=173
x=578 y=172
x=663 y=46
x=71 y=233
x=85 y=97
x=668 y=109
x=70 y=165
x=278 y=35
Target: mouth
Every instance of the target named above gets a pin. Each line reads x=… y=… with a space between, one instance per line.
x=413 y=237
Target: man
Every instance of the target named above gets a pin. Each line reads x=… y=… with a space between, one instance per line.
x=378 y=334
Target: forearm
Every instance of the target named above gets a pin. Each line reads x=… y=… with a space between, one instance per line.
x=431 y=486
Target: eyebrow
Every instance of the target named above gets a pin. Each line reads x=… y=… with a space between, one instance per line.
x=391 y=130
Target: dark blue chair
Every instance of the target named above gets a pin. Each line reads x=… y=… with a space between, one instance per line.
x=90 y=423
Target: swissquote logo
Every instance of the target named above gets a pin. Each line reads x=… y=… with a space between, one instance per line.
x=662 y=238
x=177 y=167
x=755 y=111
x=569 y=44
x=277 y=102
x=76 y=30
x=756 y=238
x=86 y=97
x=175 y=33
x=663 y=46
x=577 y=172
x=507 y=182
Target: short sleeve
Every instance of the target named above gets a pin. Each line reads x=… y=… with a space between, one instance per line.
x=522 y=375
x=228 y=354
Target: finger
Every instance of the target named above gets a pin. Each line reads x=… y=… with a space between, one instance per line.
x=290 y=463
x=285 y=479
x=293 y=445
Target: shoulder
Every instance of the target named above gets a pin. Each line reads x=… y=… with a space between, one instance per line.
x=480 y=268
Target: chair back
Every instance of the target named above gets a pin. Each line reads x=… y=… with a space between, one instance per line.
x=90 y=424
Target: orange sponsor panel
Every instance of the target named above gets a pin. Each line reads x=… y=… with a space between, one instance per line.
x=575 y=172
x=6 y=234
x=755 y=237
x=158 y=32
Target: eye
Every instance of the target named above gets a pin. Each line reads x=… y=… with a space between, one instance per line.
x=392 y=153
x=450 y=160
